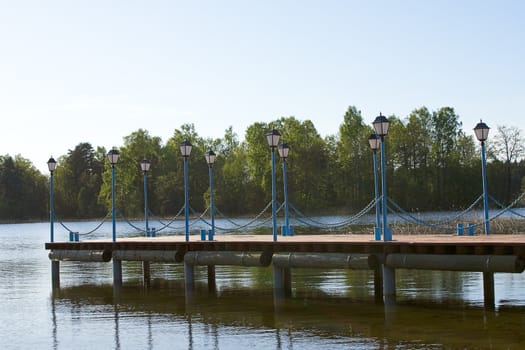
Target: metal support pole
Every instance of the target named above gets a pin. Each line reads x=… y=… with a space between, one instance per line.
x=488 y=289
x=278 y=282
x=274 y=195
x=55 y=274
x=286 y=217
x=146 y=273
x=189 y=278
x=377 y=229
x=378 y=284
x=51 y=208
x=212 y=207
x=389 y=284
x=117 y=273
x=186 y=206
x=146 y=202
x=387 y=235
x=114 y=224
x=212 y=285
x=485 y=194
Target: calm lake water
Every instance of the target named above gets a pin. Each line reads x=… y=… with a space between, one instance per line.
x=329 y=309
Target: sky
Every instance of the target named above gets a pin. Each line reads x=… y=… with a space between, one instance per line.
x=96 y=71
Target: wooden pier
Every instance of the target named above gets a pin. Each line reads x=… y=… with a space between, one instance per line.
x=486 y=254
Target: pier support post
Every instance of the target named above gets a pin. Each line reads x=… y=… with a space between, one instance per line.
x=378 y=284
x=189 y=279
x=212 y=286
x=488 y=289
x=117 y=273
x=389 y=284
x=55 y=274
x=282 y=281
x=147 y=274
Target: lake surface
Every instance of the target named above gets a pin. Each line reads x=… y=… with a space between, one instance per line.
x=329 y=309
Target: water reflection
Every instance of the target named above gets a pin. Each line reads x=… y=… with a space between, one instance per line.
x=54 y=332
x=249 y=318
x=117 y=333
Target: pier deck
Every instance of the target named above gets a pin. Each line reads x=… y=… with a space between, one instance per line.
x=486 y=254
x=497 y=244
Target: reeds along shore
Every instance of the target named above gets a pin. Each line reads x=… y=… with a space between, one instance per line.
x=497 y=226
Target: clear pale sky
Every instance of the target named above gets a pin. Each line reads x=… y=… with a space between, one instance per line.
x=95 y=71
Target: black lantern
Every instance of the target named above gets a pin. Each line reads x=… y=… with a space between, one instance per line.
x=185 y=148
x=210 y=157
x=482 y=131
x=381 y=124
x=283 y=150
x=273 y=138
x=374 y=141
x=145 y=165
x=51 y=164
x=113 y=156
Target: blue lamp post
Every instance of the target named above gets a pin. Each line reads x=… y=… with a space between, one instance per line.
x=210 y=159
x=144 y=166
x=283 y=153
x=113 y=157
x=381 y=125
x=185 y=150
x=482 y=133
x=51 y=164
x=375 y=142
x=272 y=137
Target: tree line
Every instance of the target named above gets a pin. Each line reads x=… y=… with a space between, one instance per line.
x=432 y=164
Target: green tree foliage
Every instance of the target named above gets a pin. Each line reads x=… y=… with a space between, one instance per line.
x=137 y=146
x=258 y=163
x=445 y=130
x=409 y=149
x=78 y=179
x=307 y=164
x=506 y=148
x=431 y=165
x=23 y=190
x=354 y=177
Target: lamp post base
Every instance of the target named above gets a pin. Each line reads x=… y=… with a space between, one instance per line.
x=377 y=233
x=388 y=234
x=287 y=230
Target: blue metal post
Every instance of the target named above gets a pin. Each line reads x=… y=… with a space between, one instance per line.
x=485 y=194
x=186 y=206
x=146 y=201
x=387 y=236
x=274 y=217
x=113 y=203
x=377 y=230
x=286 y=217
x=51 y=208
x=212 y=208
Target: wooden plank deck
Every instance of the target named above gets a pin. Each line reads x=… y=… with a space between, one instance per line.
x=497 y=244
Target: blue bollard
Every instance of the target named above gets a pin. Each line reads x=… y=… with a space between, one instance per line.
x=203 y=235
x=284 y=231
x=211 y=235
x=460 y=230
x=153 y=232
x=74 y=236
x=291 y=231
x=471 y=229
